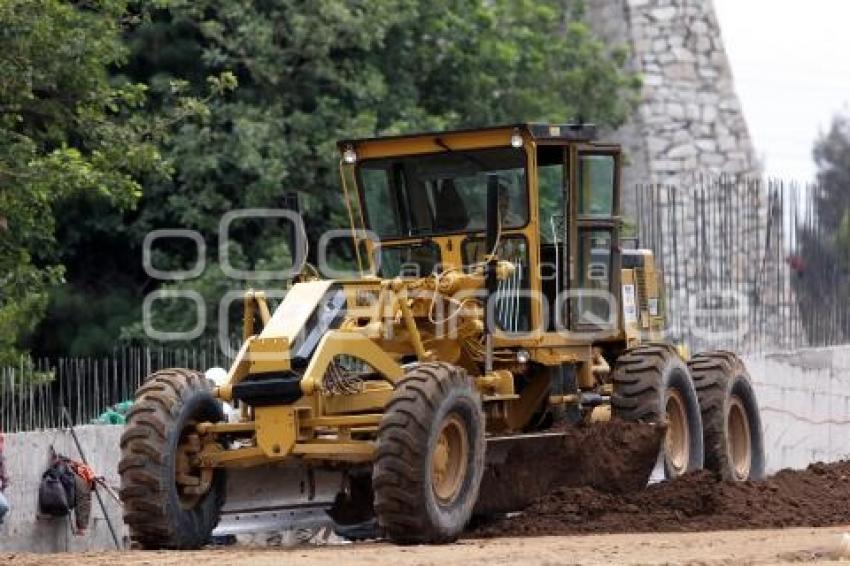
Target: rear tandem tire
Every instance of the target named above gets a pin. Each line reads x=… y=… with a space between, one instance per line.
x=653 y=384
x=158 y=515
x=430 y=456
x=734 y=442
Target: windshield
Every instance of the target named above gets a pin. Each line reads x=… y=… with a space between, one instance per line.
x=443 y=193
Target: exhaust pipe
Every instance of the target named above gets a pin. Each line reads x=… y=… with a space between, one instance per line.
x=491 y=281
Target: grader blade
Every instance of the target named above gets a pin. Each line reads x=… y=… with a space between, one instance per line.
x=272 y=499
x=614 y=457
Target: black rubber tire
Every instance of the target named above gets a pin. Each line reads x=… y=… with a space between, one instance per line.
x=353 y=511
x=405 y=504
x=642 y=378
x=152 y=510
x=719 y=377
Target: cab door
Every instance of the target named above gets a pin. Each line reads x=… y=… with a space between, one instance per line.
x=595 y=277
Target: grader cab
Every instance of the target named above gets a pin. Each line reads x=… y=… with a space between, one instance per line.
x=493 y=310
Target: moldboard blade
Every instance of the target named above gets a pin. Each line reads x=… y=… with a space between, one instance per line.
x=274 y=498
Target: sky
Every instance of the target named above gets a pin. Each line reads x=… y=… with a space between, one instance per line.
x=791 y=63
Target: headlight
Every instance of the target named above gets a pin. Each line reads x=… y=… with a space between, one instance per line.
x=349 y=155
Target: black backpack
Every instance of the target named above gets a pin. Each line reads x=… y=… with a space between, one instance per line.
x=56 y=493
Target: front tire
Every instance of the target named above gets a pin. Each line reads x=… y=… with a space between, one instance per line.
x=159 y=485
x=430 y=456
x=734 y=442
x=652 y=384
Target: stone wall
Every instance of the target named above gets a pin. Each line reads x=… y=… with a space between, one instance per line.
x=689 y=132
x=689 y=118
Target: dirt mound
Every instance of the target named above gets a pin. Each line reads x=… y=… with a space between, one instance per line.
x=615 y=457
x=818 y=496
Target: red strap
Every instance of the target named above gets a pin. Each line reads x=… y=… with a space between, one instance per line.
x=83 y=471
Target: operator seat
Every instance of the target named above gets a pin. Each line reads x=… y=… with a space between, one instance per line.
x=450 y=208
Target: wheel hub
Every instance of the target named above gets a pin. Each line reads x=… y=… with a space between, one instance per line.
x=738 y=428
x=677 y=439
x=192 y=480
x=449 y=459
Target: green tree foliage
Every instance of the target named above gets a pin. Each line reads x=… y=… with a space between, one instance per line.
x=832 y=156
x=75 y=142
x=309 y=73
x=64 y=130
x=822 y=284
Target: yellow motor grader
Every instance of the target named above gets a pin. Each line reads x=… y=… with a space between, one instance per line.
x=493 y=308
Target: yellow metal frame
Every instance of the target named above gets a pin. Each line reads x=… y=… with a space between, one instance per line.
x=338 y=343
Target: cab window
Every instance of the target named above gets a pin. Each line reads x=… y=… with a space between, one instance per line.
x=512 y=300
x=592 y=306
x=551 y=181
x=596 y=185
x=380 y=202
x=409 y=260
x=442 y=193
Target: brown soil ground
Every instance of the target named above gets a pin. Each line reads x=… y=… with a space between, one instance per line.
x=816 y=497
x=793 y=546
x=731 y=523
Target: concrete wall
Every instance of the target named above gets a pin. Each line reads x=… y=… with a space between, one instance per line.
x=805 y=405
x=804 y=397
x=27 y=456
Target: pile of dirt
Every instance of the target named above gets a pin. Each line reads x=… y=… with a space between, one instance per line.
x=615 y=457
x=816 y=497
